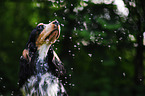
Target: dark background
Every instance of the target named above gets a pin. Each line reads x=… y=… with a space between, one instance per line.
x=102 y=49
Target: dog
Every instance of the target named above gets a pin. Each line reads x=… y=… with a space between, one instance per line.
x=40 y=67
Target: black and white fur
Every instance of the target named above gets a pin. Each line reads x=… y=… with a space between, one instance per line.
x=40 y=67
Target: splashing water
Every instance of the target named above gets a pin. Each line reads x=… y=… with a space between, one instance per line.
x=90 y=55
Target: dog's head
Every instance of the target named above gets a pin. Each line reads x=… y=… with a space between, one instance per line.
x=42 y=34
x=47 y=33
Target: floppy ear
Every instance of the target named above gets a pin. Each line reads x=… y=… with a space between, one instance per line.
x=56 y=66
x=25 y=55
x=59 y=65
x=26 y=68
x=23 y=72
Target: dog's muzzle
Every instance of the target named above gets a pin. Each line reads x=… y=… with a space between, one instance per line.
x=49 y=34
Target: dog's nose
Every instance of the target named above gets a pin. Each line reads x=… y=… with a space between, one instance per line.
x=56 y=22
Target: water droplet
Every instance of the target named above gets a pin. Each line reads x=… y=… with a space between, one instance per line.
x=56 y=69
x=73 y=84
x=81 y=29
x=61 y=72
x=120 y=57
x=78 y=43
x=63 y=35
x=124 y=74
x=78 y=22
x=57 y=2
x=71 y=68
x=64 y=18
x=120 y=38
x=12 y=93
x=135 y=44
x=55 y=14
x=109 y=46
x=1 y=78
x=38 y=4
x=73 y=55
x=62 y=24
x=90 y=55
x=124 y=33
x=75 y=45
x=13 y=42
x=140 y=79
x=74 y=28
x=61 y=1
x=58 y=40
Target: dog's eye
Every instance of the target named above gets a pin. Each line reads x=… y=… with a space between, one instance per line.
x=40 y=27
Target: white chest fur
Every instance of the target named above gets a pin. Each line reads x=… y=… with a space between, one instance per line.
x=43 y=49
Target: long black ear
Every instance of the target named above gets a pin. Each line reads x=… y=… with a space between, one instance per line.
x=59 y=65
x=56 y=65
x=24 y=71
x=26 y=68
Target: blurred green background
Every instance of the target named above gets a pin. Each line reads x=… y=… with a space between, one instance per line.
x=102 y=44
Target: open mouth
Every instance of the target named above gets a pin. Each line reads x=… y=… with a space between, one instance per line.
x=53 y=34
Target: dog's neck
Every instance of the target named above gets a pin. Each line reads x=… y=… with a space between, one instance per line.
x=43 y=50
x=41 y=63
